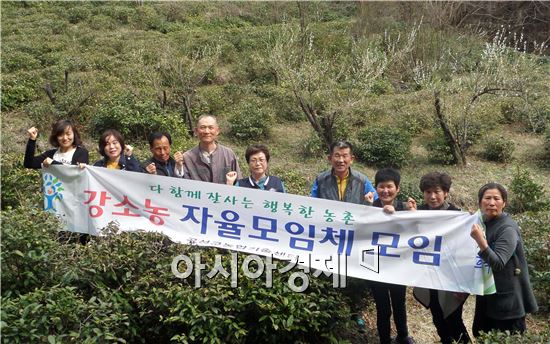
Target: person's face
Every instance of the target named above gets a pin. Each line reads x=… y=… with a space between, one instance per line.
x=258 y=164
x=161 y=149
x=66 y=139
x=387 y=191
x=492 y=204
x=207 y=130
x=435 y=197
x=341 y=159
x=113 y=149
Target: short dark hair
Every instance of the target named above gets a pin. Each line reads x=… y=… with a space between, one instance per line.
x=492 y=186
x=103 y=140
x=157 y=135
x=435 y=179
x=255 y=149
x=341 y=144
x=387 y=175
x=59 y=127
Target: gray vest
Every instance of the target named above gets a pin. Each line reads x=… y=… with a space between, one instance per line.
x=327 y=187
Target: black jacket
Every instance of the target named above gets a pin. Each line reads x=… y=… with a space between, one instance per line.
x=127 y=163
x=163 y=169
x=505 y=254
x=35 y=162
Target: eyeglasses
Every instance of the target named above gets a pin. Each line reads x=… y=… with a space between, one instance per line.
x=255 y=161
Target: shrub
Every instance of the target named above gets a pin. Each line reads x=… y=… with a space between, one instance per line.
x=507 y=338
x=28 y=242
x=119 y=287
x=409 y=189
x=251 y=120
x=526 y=194
x=499 y=149
x=535 y=228
x=20 y=185
x=546 y=148
x=135 y=117
x=60 y=314
x=438 y=150
x=77 y=14
x=313 y=146
x=283 y=101
x=18 y=88
x=509 y=109
x=295 y=183
x=536 y=117
x=383 y=146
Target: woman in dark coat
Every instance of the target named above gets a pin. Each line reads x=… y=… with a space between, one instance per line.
x=112 y=148
x=501 y=248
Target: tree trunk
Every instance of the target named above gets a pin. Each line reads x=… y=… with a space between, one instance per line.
x=459 y=157
x=319 y=127
x=49 y=92
x=188 y=117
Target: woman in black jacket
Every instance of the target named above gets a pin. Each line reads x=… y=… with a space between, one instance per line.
x=501 y=247
x=66 y=140
x=112 y=148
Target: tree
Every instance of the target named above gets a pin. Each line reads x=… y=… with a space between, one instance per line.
x=328 y=86
x=182 y=73
x=459 y=85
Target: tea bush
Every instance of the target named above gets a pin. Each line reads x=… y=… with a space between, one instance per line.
x=28 y=243
x=546 y=148
x=20 y=185
x=120 y=288
x=499 y=149
x=135 y=117
x=507 y=338
x=438 y=151
x=410 y=189
x=383 y=147
x=295 y=183
x=251 y=120
x=535 y=231
x=526 y=193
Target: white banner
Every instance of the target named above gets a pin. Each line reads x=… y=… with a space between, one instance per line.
x=431 y=249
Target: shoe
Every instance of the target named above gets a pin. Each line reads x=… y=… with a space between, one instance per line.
x=361 y=325
x=405 y=340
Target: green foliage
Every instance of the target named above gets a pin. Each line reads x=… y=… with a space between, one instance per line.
x=409 y=189
x=313 y=146
x=546 y=148
x=20 y=185
x=295 y=183
x=28 y=243
x=510 y=110
x=119 y=287
x=535 y=228
x=438 y=150
x=282 y=101
x=527 y=194
x=538 y=115
x=77 y=14
x=499 y=149
x=383 y=146
x=251 y=120
x=18 y=88
x=135 y=117
x=498 y=337
x=60 y=315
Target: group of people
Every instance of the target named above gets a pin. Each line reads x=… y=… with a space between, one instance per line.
x=500 y=243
